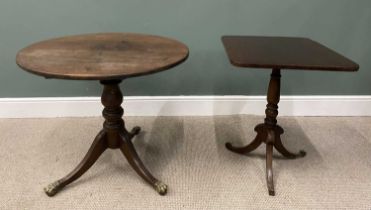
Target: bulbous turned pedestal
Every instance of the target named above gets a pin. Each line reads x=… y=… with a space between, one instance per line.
x=109 y=58
x=269 y=132
x=114 y=135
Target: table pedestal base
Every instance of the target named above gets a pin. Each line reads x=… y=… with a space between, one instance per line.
x=114 y=135
x=269 y=132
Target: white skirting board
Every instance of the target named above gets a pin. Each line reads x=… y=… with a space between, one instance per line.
x=186 y=106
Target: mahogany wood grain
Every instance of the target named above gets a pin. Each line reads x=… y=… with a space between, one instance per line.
x=284 y=53
x=279 y=53
x=108 y=57
x=102 y=56
x=114 y=135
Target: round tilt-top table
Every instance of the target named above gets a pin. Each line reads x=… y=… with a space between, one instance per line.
x=109 y=58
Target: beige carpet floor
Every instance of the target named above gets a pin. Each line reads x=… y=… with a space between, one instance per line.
x=188 y=154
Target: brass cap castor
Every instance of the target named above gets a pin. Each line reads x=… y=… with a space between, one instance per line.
x=53 y=188
x=161 y=188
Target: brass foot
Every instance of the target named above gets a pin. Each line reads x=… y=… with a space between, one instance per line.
x=160 y=187
x=53 y=188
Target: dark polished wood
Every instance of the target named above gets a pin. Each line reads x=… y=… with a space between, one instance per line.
x=113 y=136
x=284 y=53
x=277 y=53
x=269 y=132
x=102 y=56
x=109 y=58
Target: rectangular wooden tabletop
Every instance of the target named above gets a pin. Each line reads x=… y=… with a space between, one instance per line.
x=284 y=53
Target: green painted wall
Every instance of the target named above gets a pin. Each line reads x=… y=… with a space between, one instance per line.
x=343 y=25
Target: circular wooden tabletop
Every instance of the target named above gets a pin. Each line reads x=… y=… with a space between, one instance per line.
x=102 y=56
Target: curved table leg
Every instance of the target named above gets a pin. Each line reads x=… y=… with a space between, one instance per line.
x=246 y=149
x=269 y=132
x=135 y=131
x=269 y=169
x=97 y=148
x=259 y=139
x=127 y=148
x=281 y=149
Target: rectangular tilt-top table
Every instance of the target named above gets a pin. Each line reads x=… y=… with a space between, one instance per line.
x=278 y=53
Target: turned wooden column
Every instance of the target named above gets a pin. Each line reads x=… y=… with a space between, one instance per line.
x=112 y=99
x=273 y=98
x=114 y=135
x=271 y=112
x=269 y=132
x=279 y=53
x=108 y=58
